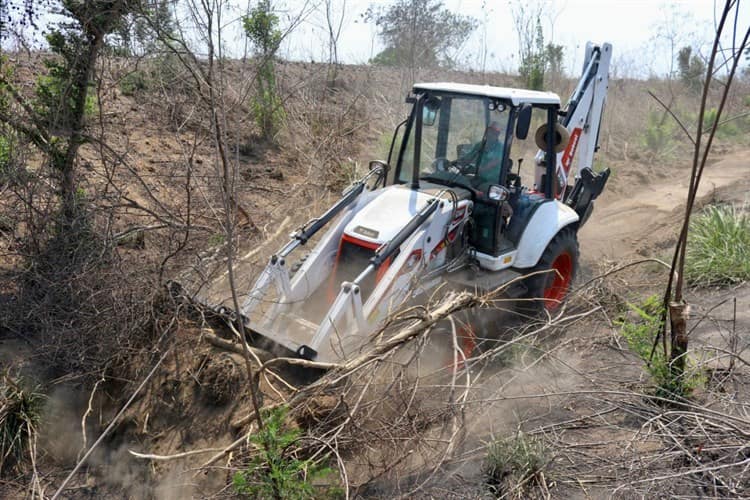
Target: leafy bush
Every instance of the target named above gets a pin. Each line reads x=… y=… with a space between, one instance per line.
x=5 y=158
x=277 y=472
x=639 y=328
x=718 y=249
x=132 y=83
x=727 y=129
x=514 y=462
x=262 y=28
x=533 y=57
x=692 y=69
x=658 y=134
x=20 y=412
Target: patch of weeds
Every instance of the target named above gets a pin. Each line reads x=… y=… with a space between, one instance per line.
x=20 y=412
x=658 y=134
x=133 y=83
x=6 y=159
x=639 y=327
x=718 y=249
x=725 y=130
x=383 y=145
x=277 y=471
x=345 y=175
x=512 y=352
x=216 y=240
x=514 y=465
x=55 y=100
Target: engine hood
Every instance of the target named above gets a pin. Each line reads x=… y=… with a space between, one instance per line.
x=384 y=216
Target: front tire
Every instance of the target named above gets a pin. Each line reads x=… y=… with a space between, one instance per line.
x=440 y=352
x=556 y=271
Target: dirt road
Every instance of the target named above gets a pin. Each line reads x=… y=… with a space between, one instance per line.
x=645 y=218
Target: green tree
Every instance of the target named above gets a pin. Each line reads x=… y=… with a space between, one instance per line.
x=532 y=54
x=262 y=28
x=55 y=122
x=64 y=255
x=692 y=69
x=137 y=33
x=553 y=57
x=418 y=33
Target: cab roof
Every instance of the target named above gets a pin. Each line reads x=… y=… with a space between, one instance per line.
x=516 y=96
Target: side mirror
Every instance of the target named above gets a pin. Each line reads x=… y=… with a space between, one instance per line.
x=429 y=111
x=523 y=122
x=498 y=193
x=375 y=164
x=379 y=169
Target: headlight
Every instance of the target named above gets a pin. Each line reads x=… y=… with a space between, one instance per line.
x=498 y=193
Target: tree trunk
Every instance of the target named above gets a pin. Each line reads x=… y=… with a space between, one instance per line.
x=678 y=315
x=66 y=165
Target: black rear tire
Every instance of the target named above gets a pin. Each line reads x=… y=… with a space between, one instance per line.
x=557 y=269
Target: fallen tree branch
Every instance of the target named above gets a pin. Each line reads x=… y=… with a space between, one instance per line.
x=228 y=345
x=175 y=456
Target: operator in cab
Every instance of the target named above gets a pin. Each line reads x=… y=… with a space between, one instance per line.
x=487 y=155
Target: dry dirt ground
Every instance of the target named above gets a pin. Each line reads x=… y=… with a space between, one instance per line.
x=643 y=216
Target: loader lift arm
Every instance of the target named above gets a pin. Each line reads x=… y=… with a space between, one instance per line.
x=275 y=272
x=582 y=118
x=309 y=229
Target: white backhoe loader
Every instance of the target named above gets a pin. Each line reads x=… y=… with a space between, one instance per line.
x=448 y=207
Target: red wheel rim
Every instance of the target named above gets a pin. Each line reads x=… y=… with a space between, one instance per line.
x=559 y=282
x=467 y=342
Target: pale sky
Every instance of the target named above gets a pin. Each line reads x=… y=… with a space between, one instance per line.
x=640 y=31
x=645 y=34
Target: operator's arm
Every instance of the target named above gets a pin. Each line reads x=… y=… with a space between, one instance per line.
x=470 y=156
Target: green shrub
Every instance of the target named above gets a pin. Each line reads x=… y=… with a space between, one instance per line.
x=658 y=134
x=20 y=412
x=5 y=158
x=514 y=463
x=133 y=83
x=725 y=130
x=383 y=145
x=216 y=240
x=261 y=26
x=718 y=249
x=639 y=327
x=55 y=100
x=277 y=472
